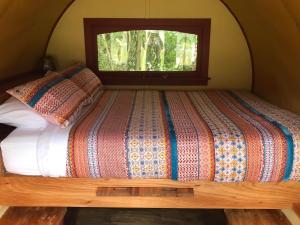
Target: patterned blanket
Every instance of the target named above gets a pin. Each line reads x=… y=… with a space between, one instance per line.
x=219 y=136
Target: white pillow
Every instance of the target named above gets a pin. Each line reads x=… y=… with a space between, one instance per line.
x=15 y=113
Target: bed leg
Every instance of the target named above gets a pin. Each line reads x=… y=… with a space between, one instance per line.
x=296 y=208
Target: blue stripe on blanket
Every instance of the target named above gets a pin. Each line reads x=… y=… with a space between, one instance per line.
x=173 y=140
x=287 y=134
x=43 y=90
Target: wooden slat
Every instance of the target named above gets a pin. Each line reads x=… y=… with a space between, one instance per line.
x=145 y=192
x=256 y=217
x=33 y=216
x=38 y=191
x=3 y=209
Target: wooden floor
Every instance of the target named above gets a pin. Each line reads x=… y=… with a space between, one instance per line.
x=256 y=217
x=33 y=216
x=102 y=216
x=97 y=216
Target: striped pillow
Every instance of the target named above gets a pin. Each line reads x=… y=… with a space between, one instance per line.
x=84 y=78
x=54 y=97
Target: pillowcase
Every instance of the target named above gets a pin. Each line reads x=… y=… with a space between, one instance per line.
x=54 y=97
x=15 y=113
x=84 y=78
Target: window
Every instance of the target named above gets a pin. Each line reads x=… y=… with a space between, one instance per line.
x=148 y=51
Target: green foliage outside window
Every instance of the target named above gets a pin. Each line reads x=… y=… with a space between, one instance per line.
x=147 y=50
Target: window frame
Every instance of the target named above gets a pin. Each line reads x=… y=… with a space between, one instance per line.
x=200 y=27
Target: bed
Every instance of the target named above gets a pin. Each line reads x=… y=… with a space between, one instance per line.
x=168 y=149
x=219 y=136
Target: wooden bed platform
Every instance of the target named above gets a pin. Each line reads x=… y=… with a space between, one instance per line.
x=80 y=192
x=40 y=191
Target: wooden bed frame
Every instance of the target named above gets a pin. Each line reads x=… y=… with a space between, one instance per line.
x=80 y=192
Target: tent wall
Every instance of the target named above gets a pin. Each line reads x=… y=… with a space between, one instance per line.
x=272 y=27
x=25 y=28
x=230 y=61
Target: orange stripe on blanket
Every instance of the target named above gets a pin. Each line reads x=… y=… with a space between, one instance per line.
x=280 y=144
x=111 y=137
x=252 y=137
x=78 y=138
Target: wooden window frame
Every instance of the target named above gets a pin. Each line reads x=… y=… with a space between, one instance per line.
x=200 y=27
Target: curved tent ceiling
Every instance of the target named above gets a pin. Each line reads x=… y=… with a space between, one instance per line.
x=25 y=28
x=273 y=30
x=271 y=26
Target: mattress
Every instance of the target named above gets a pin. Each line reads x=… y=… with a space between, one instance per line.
x=36 y=151
x=221 y=136
x=19 y=152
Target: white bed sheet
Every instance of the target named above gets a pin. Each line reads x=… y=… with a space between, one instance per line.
x=36 y=152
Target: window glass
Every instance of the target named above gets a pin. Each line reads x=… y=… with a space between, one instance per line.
x=147 y=50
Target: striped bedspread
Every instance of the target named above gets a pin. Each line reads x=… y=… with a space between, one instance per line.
x=220 y=136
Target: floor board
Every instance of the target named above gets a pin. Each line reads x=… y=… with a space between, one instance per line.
x=296 y=208
x=256 y=217
x=33 y=216
x=97 y=216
